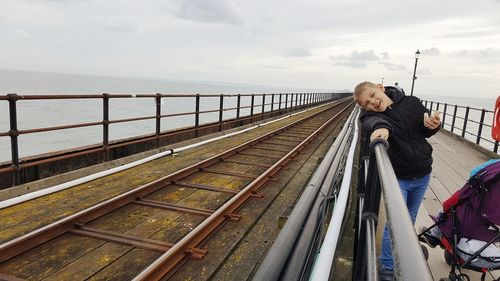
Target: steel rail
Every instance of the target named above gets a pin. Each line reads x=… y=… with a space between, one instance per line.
x=180 y=250
x=30 y=240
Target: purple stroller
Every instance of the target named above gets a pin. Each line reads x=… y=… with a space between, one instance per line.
x=469 y=225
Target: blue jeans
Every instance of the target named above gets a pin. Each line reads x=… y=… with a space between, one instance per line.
x=413 y=192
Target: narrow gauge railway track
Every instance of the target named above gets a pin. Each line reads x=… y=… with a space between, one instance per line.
x=140 y=221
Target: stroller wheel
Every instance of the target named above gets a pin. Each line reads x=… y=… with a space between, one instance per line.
x=448 y=257
x=425 y=251
x=463 y=277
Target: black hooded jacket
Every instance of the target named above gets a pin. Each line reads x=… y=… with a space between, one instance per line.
x=409 y=151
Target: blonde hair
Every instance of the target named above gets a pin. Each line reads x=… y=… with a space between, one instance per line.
x=361 y=87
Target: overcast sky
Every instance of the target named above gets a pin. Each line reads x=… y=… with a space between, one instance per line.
x=328 y=44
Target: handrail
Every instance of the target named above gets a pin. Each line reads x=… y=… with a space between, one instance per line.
x=284 y=105
x=409 y=259
x=466 y=119
x=282 y=250
x=323 y=265
x=376 y=176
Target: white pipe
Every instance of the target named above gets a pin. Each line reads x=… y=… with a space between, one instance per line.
x=324 y=261
x=63 y=186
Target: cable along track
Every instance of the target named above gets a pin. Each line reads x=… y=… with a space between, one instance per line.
x=154 y=222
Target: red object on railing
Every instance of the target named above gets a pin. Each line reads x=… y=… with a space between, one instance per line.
x=495 y=128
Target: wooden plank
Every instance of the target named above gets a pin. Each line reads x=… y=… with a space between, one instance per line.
x=439 y=190
x=431 y=202
x=447 y=176
x=126 y=269
x=46 y=260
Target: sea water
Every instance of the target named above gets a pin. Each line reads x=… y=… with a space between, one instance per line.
x=49 y=113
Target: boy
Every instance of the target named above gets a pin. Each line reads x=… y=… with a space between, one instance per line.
x=405 y=123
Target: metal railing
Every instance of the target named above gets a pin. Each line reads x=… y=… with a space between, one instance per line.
x=468 y=122
x=275 y=103
x=294 y=251
x=377 y=175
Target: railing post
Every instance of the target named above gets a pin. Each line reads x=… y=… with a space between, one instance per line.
x=251 y=108
x=263 y=105
x=444 y=115
x=14 y=133
x=425 y=103
x=480 y=129
x=105 y=125
x=286 y=102
x=370 y=192
x=454 y=118
x=432 y=103
x=238 y=105
x=279 y=102
x=272 y=102
x=221 y=109
x=296 y=100
x=197 y=115
x=437 y=107
x=158 y=118
x=495 y=147
x=465 y=121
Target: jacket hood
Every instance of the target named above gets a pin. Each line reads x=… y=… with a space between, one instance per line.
x=394 y=94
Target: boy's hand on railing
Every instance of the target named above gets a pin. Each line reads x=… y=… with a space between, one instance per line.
x=433 y=121
x=380 y=133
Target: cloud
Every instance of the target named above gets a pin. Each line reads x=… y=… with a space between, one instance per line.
x=489 y=53
x=355 y=64
x=297 y=52
x=223 y=11
x=431 y=52
x=473 y=33
x=222 y=67
x=486 y=55
x=274 y=67
x=357 y=58
x=385 y=55
x=21 y=34
x=393 y=66
x=119 y=24
x=364 y=56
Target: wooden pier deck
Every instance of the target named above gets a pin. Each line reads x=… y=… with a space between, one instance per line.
x=233 y=254
x=453 y=160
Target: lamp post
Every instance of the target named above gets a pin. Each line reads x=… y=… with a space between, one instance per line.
x=417 y=55
x=382 y=81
